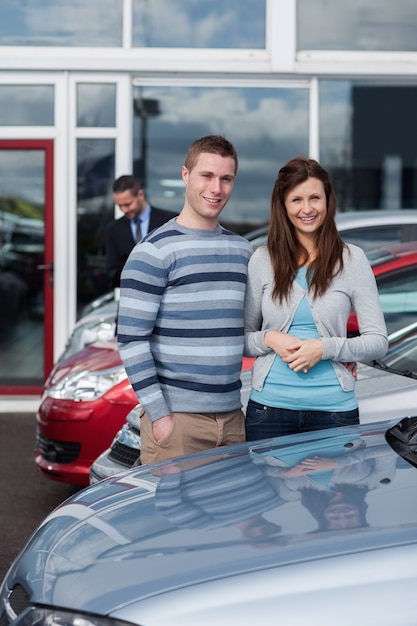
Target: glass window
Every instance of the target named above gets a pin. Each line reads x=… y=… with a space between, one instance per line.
x=22 y=233
x=376 y=236
x=367 y=140
x=95 y=208
x=356 y=25
x=96 y=105
x=267 y=126
x=191 y=24
x=398 y=296
x=403 y=355
x=26 y=105
x=50 y=23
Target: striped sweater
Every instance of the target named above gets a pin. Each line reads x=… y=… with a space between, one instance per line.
x=180 y=322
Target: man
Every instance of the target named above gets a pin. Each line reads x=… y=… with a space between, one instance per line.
x=180 y=328
x=139 y=218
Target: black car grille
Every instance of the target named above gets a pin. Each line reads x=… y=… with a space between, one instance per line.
x=18 y=600
x=57 y=451
x=124 y=454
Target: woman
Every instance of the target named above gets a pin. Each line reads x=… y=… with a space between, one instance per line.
x=301 y=289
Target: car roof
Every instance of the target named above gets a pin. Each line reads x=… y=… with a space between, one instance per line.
x=170 y=528
x=383 y=254
x=354 y=219
x=351 y=221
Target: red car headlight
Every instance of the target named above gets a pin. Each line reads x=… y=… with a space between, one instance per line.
x=85 y=385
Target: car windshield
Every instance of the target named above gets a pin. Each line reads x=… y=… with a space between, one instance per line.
x=397 y=291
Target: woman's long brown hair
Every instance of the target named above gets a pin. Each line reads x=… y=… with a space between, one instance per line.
x=286 y=252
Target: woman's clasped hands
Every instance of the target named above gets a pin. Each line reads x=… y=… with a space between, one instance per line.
x=300 y=354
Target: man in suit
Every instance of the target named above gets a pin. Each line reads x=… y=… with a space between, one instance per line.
x=139 y=218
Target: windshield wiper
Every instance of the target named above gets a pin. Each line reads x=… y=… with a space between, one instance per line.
x=403 y=439
x=383 y=366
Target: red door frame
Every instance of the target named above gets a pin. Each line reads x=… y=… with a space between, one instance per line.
x=47 y=145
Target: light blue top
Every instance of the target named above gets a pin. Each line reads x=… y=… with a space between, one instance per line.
x=318 y=389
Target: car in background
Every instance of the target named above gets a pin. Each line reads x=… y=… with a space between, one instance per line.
x=318 y=528
x=388 y=387
x=366 y=229
x=97 y=323
x=385 y=388
x=395 y=270
x=21 y=254
x=124 y=451
x=83 y=405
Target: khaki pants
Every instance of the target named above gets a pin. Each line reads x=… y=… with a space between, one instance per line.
x=191 y=432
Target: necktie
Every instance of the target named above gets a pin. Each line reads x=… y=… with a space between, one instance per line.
x=138 y=222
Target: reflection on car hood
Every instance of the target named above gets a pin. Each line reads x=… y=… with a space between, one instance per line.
x=209 y=516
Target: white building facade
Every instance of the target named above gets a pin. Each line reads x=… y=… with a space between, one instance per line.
x=92 y=90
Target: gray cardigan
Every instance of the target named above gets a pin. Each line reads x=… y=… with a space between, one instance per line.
x=353 y=289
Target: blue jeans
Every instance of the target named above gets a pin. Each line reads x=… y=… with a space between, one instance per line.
x=263 y=422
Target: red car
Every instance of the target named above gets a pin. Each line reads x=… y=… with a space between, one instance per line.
x=84 y=404
x=395 y=269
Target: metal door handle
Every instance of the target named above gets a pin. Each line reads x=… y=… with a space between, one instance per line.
x=48 y=267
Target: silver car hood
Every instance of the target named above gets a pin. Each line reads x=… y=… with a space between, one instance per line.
x=152 y=530
x=383 y=395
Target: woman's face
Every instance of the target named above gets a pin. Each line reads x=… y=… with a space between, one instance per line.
x=341 y=515
x=306 y=207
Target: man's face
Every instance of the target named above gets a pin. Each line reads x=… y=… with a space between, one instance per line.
x=131 y=205
x=208 y=188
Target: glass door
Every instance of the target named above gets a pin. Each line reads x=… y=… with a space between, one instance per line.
x=26 y=265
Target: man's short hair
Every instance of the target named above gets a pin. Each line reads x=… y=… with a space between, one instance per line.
x=213 y=144
x=127 y=182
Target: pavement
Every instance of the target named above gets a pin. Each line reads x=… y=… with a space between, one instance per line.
x=19 y=404
x=26 y=496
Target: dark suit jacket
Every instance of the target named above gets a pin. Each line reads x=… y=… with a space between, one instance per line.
x=119 y=241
